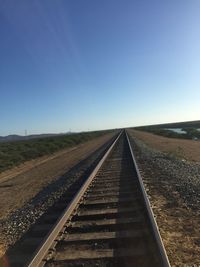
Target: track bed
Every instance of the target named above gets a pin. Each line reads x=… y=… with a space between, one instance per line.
x=110 y=224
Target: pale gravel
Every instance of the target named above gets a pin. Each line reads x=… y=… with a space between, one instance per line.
x=184 y=175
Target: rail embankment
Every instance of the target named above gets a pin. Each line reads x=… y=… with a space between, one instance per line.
x=174 y=147
x=171 y=172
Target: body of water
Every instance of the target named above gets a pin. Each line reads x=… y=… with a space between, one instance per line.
x=176 y=130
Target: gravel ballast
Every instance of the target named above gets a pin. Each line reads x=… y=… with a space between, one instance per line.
x=184 y=175
x=173 y=188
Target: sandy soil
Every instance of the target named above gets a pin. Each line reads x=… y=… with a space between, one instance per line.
x=19 y=185
x=178 y=224
x=187 y=149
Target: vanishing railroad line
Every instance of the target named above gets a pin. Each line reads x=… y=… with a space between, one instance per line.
x=109 y=222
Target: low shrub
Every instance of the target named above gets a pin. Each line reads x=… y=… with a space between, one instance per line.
x=14 y=153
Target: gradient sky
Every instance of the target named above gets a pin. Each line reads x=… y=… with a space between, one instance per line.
x=88 y=64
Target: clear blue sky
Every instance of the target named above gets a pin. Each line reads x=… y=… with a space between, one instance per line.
x=79 y=65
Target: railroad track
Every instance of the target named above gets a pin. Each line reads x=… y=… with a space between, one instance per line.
x=109 y=222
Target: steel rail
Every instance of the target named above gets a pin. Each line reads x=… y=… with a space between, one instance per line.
x=38 y=259
x=154 y=226
x=40 y=256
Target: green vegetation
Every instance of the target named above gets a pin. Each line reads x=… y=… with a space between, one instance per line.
x=192 y=133
x=14 y=153
x=190 y=128
x=163 y=132
x=186 y=124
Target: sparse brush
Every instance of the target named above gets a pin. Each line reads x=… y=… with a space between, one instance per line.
x=15 y=153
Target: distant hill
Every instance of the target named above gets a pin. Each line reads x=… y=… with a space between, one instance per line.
x=15 y=137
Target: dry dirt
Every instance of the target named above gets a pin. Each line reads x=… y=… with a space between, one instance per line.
x=187 y=149
x=19 y=185
x=178 y=224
